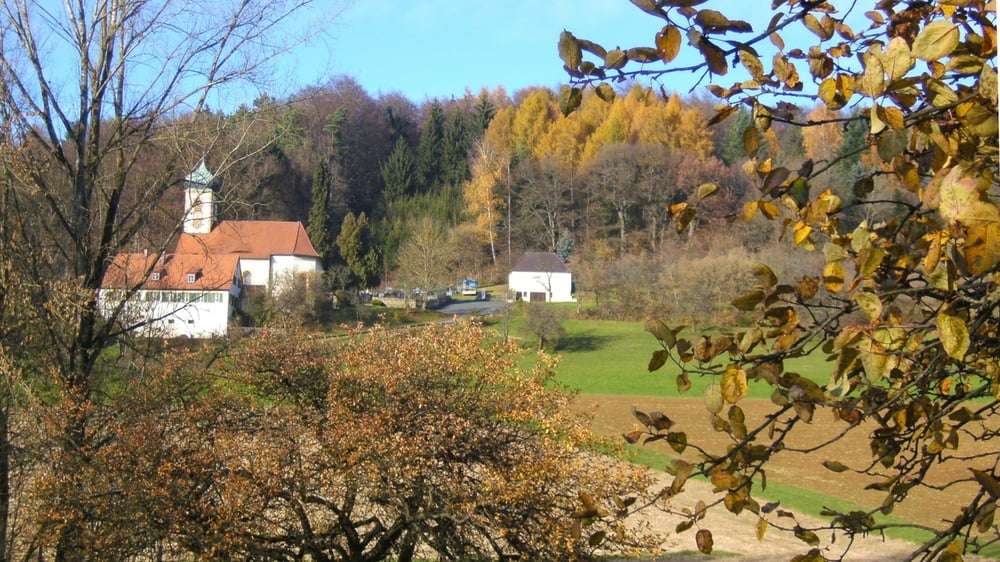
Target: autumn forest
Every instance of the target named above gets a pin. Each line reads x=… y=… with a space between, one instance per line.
x=493 y=174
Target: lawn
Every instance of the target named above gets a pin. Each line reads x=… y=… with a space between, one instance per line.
x=606 y=357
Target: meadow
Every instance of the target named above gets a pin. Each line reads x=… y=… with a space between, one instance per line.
x=606 y=362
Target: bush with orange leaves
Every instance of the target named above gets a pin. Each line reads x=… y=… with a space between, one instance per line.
x=384 y=444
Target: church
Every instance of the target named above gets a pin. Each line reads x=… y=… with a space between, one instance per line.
x=195 y=291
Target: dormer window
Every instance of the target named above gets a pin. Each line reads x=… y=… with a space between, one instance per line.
x=191 y=277
x=155 y=276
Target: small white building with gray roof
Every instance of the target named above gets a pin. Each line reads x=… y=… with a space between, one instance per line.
x=541 y=277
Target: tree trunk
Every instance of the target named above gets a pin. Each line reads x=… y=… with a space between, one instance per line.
x=5 y=468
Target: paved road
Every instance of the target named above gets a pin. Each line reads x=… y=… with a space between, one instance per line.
x=465 y=308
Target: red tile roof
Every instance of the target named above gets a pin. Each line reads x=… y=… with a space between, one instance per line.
x=212 y=272
x=250 y=239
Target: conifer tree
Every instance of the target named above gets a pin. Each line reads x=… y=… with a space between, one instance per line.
x=455 y=151
x=319 y=213
x=355 y=246
x=430 y=149
x=399 y=172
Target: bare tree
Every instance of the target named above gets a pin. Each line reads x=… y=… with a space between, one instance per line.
x=615 y=172
x=106 y=102
x=425 y=259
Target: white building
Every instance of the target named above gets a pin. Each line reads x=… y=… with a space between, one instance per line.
x=195 y=290
x=173 y=295
x=541 y=277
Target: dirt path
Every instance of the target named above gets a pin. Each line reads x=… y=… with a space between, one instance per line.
x=736 y=534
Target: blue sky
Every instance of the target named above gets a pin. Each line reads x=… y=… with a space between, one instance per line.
x=438 y=49
x=429 y=49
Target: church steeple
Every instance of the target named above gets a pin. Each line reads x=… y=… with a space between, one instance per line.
x=199 y=201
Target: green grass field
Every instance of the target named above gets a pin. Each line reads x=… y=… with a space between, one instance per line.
x=606 y=357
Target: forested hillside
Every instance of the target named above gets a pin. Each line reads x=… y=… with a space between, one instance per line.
x=490 y=175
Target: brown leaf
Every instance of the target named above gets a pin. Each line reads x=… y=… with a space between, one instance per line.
x=703 y=538
x=616 y=58
x=605 y=91
x=569 y=50
x=658 y=359
x=643 y=54
x=677 y=441
x=660 y=421
x=641 y=417
x=632 y=437
x=683 y=383
x=775 y=178
x=714 y=57
x=569 y=99
x=722 y=114
x=806 y=536
x=751 y=141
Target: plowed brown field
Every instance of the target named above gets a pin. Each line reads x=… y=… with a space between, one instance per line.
x=736 y=535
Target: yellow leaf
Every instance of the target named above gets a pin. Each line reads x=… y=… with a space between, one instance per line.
x=668 y=43
x=936 y=41
x=817 y=27
x=933 y=252
x=892 y=117
x=706 y=190
x=982 y=246
x=870 y=304
x=748 y=301
x=873 y=78
x=749 y=210
x=723 y=114
x=833 y=277
x=959 y=196
x=802 y=232
x=897 y=60
x=761 y=528
x=770 y=209
x=724 y=481
x=954 y=335
x=713 y=398
x=988 y=482
x=734 y=385
x=869 y=259
x=752 y=64
x=616 y=58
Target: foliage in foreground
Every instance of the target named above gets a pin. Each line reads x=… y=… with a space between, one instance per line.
x=386 y=444
x=922 y=364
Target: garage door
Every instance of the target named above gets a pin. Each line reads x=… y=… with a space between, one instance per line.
x=537 y=297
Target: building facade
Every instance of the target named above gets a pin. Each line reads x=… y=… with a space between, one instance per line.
x=195 y=291
x=540 y=277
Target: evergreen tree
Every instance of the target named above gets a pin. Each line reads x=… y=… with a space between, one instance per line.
x=319 y=213
x=730 y=145
x=335 y=125
x=455 y=151
x=355 y=245
x=399 y=172
x=564 y=246
x=429 y=150
x=482 y=114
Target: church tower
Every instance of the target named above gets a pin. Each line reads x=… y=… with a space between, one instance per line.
x=199 y=201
